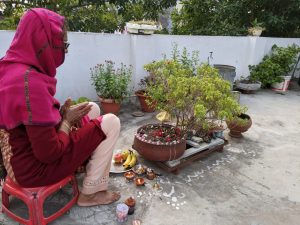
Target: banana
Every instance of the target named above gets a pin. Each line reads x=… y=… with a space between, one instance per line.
x=125 y=154
x=125 y=164
x=133 y=160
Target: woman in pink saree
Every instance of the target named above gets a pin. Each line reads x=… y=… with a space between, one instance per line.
x=45 y=149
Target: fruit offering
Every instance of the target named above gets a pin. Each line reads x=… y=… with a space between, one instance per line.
x=118 y=158
x=125 y=154
x=130 y=160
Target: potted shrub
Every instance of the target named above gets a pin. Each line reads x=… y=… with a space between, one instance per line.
x=274 y=69
x=239 y=124
x=194 y=99
x=111 y=84
x=142 y=27
x=256 y=28
x=147 y=104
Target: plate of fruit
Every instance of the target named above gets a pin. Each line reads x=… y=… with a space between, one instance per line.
x=123 y=161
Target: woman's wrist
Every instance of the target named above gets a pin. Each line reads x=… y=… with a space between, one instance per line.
x=65 y=126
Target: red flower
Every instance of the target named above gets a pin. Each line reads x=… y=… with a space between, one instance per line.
x=168 y=139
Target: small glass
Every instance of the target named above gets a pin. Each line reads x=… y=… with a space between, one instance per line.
x=122 y=212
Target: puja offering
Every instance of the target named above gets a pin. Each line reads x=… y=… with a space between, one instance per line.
x=118 y=158
x=130 y=202
x=122 y=212
x=130 y=160
x=123 y=160
x=150 y=174
x=139 y=169
x=139 y=181
x=129 y=175
x=156 y=186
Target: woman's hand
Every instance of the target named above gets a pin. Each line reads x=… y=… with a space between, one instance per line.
x=73 y=114
x=65 y=106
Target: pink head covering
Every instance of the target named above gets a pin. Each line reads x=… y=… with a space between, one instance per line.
x=27 y=71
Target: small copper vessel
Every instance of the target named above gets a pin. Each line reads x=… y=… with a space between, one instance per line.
x=130 y=202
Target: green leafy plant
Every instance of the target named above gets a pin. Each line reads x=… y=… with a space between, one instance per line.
x=256 y=24
x=210 y=17
x=80 y=100
x=239 y=120
x=279 y=63
x=111 y=82
x=196 y=100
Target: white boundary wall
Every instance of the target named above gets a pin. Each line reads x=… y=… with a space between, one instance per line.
x=88 y=49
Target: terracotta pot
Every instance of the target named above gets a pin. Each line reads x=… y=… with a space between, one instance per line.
x=142 y=98
x=109 y=106
x=158 y=151
x=236 y=129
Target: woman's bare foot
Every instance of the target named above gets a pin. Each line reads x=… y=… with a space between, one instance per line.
x=99 y=198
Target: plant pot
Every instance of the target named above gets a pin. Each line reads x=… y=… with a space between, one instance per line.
x=158 y=151
x=236 y=129
x=255 y=31
x=134 y=28
x=109 y=106
x=144 y=105
x=248 y=88
x=282 y=86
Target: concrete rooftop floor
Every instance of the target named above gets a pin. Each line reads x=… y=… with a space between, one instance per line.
x=254 y=181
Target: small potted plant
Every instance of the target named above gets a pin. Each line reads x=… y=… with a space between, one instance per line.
x=142 y=27
x=256 y=28
x=274 y=68
x=111 y=84
x=239 y=124
x=147 y=104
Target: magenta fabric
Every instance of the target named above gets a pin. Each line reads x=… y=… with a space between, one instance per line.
x=85 y=120
x=27 y=71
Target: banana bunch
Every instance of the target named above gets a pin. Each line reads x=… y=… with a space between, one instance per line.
x=130 y=160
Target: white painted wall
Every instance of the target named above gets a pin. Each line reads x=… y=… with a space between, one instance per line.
x=88 y=49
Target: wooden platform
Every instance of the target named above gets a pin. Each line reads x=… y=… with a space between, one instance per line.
x=195 y=152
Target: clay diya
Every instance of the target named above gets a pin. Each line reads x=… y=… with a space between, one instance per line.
x=129 y=175
x=139 y=181
x=130 y=202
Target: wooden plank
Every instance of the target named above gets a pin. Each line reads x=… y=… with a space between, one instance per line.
x=194 y=150
x=187 y=160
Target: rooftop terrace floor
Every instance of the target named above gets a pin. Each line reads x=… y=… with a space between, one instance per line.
x=254 y=181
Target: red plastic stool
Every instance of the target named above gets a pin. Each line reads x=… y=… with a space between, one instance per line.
x=34 y=199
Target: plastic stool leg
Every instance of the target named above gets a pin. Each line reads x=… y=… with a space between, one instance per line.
x=5 y=199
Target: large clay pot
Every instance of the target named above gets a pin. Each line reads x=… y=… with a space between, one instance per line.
x=248 y=87
x=236 y=129
x=144 y=105
x=160 y=152
x=110 y=106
